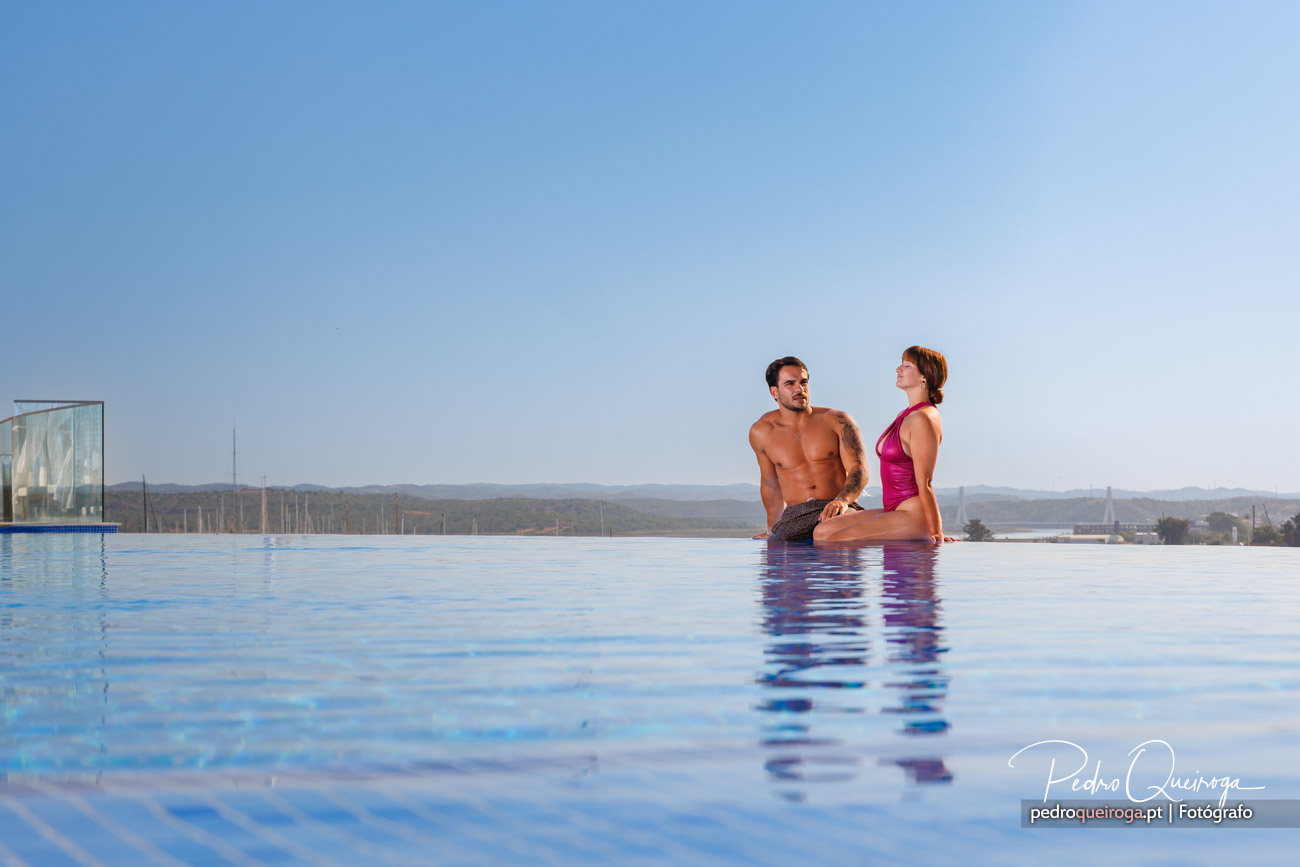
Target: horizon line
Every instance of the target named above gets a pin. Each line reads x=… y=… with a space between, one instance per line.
x=1096 y=490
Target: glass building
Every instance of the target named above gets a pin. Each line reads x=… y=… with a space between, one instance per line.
x=52 y=460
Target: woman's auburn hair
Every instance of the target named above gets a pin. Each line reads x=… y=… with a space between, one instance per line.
x=933 y=366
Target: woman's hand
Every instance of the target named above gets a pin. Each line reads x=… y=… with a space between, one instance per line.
x=940 y=538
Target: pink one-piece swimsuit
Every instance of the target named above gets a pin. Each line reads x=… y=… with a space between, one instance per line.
x=897 y=472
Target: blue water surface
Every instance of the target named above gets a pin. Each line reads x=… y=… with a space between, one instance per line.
x=377 y=699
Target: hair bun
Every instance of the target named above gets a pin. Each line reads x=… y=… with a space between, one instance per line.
x=936 y=396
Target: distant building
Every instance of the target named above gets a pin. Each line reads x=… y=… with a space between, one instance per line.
x=52 y=463
x=1090 y=539
x=1112 y=529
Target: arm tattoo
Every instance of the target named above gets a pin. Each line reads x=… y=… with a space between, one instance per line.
x=852 y=443
x=853 y=486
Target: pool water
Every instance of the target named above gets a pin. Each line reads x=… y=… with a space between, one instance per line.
x=374 y=699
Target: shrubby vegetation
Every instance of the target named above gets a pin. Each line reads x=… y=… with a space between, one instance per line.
x=1219 y=531
x=1173 y=531
x=1219 y=527
x=1266 y=535
x=1222 y=522
x=976 y=531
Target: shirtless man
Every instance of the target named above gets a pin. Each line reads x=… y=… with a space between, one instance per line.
x=810 y=459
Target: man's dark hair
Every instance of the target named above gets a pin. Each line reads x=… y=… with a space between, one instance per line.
x=774 y=369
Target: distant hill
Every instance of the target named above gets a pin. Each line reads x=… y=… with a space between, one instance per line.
x=487 y=491
x=567 y=491
x=1086 y=510
x=339 y=511
x=654 y=497
x=317 y=509
x=986 y=492
x=749 y=512
x=168 y=488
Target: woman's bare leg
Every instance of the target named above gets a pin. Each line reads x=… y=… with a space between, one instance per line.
x=907 y=522
x=848 y=519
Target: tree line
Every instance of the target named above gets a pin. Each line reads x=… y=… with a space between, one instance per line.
x=291 y=511
x=1178 y=531
x=1219 y=528
x=1088 y=510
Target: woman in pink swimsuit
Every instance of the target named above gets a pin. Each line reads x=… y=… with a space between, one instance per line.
x=907 y=450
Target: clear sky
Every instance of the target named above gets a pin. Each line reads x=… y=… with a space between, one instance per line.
x=559 y=241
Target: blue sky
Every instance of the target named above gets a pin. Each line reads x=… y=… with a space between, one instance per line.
x=555 y=242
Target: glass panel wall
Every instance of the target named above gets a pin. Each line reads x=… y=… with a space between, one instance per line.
x=21 y=407
x=88 y=471
x=58 y=457
x=6 y=469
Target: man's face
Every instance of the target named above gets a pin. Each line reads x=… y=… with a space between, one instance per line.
x=791 y=389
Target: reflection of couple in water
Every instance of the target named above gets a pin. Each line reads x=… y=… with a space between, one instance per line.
x=829 y=661
x=807 y=452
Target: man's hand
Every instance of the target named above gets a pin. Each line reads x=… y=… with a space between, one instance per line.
x=762 y=536
x=835 y=507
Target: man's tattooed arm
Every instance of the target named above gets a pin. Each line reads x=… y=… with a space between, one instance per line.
x=854 y=457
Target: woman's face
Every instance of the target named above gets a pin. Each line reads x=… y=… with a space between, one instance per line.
x=907 y=375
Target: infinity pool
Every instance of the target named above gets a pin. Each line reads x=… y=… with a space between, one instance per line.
x=373 y=699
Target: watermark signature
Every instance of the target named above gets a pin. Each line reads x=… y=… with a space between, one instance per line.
x=1151 y=774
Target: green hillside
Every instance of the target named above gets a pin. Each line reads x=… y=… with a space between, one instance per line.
x=338 y=512
x=1089 y=510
